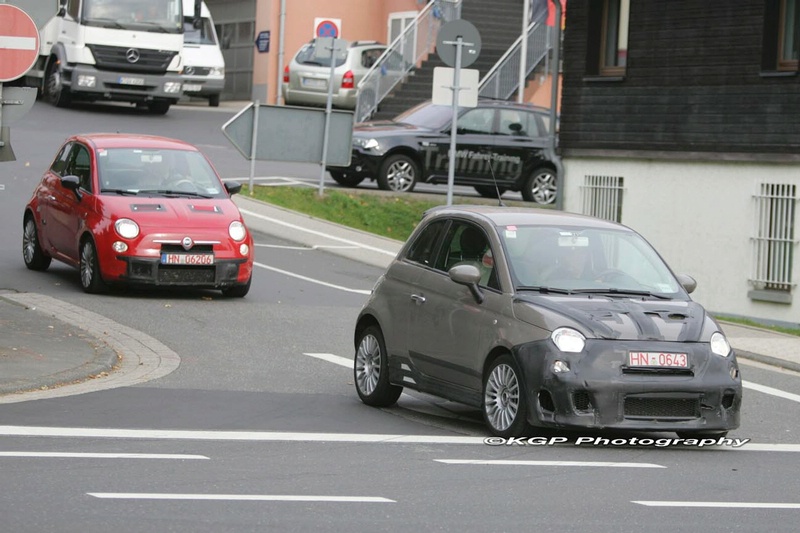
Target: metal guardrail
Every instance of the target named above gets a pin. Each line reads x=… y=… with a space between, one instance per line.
x=503 y=79
x=416 y=41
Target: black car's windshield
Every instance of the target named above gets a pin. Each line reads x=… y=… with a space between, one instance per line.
x=155 y=171
x=579 y=260
x=427 y=115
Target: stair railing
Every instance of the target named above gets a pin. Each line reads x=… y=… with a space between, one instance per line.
x=502 y=80
x=416 y=41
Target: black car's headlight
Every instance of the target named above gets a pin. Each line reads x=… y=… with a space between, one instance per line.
x=720 y=345
x=366 y=144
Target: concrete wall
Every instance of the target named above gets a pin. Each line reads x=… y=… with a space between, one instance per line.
x=700 y=217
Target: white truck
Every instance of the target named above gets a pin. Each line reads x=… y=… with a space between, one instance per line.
x=203 y=64
x=113 y=50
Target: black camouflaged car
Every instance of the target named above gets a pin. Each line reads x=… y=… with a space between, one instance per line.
x=501 y=146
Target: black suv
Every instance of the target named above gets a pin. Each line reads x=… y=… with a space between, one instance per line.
x=500 y=146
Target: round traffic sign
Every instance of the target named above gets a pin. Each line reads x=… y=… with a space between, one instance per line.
x=446 y=42
x=19 y=42
x=327 y=28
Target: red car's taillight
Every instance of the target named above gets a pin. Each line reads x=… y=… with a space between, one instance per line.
x=286 y=74
x=348 y=81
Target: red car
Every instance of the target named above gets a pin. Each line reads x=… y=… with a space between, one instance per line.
x=138 y=210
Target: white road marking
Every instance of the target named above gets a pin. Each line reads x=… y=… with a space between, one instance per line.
x=12 y=42
x=770 y=390
x=72 y=455
x=240 y=497
x=335 y=359
x=742 y=505
x=546 y=463
x=281 y=436
x=315 y=247
x=319 y=233
x=312 y=280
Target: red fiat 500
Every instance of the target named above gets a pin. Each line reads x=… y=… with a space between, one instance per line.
x=138 y=210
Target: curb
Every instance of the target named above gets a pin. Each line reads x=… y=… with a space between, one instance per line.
x=768 y=360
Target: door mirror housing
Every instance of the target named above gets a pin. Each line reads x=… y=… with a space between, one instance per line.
x=73 y=183
x=233 y=187
x=688 y=282
x=470 y=276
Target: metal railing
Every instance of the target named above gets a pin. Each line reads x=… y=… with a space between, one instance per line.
x=602 y=197
x=774 y=239
x=503 y=79
x=413 y=45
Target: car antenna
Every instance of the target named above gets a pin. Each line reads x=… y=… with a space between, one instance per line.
x=496 y=188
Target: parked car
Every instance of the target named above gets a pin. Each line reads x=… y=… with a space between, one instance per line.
x=501 y=146
x=305 y=78
x=138 y=210
x=544 y=318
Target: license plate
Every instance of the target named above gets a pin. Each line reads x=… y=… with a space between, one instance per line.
x=674 y=360
x=187 y=259
x=127 y=80
x=314 y=83
x=188 y=87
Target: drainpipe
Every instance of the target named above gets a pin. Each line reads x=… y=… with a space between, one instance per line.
x=553 y=107
x=279 y=96
x=523 y=56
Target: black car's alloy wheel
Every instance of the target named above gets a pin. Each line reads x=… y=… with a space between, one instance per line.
x=399 y=173
x=371 y=370
x=91 y=280
x=540 y=187
x=32 y=253
x=504 y=407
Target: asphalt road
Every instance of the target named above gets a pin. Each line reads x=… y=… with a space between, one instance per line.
x=260 y=428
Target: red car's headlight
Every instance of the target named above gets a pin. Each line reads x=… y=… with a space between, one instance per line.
x=127 y=228
x=237 y=231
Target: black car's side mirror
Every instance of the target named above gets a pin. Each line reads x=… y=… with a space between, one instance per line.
x=470 y=276
x=73 y=183
x=233 y=187
x=688 y=282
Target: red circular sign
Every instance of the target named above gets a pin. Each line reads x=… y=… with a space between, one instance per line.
x=19 y=42
x=327 y=28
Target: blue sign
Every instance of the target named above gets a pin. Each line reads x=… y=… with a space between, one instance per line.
x=262 y=42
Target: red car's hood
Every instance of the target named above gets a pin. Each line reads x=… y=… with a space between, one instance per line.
x=173 y=213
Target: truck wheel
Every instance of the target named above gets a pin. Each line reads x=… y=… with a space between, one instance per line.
x=213 y=100
x=158 y=107
x=54 y=89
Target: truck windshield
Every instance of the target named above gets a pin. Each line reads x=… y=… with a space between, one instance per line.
x=165 y=16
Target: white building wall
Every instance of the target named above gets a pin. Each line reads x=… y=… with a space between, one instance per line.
x=701 y=217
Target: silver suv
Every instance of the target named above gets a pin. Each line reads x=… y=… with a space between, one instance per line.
x=305 y=78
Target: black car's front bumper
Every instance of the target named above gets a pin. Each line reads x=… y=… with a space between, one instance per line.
x=363 y=164
x=601 y=391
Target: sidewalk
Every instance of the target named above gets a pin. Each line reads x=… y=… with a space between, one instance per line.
x=42 y=345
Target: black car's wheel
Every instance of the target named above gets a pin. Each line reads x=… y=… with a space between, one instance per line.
x=344 y=180
x=213 y=100
x=701 y=434
x=32 y=253
x=91 y=280
x=399 y=173
x=237 y=291
x=159 y=107
x=55 y=92
x=371 y=370
x=490 y=191
x=540 y=187
x=504 y=404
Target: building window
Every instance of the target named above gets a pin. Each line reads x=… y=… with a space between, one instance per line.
x=602 y=197
x=774 y=239
x=614 y=42
x=789 y=42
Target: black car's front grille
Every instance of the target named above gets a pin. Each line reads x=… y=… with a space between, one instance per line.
x=119 y=58
x=639 y=407
x=582 y=401
x=186 y=274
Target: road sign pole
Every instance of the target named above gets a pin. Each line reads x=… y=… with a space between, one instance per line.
x=328 y=106
x=451 y=173
x=253 y=146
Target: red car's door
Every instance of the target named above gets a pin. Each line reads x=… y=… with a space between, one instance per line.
x=66 y=212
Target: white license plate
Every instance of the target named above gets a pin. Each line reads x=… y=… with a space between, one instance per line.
x=674 y=360
x=314 y=83
x=127 y=80
x=188 y=87
x=187 y=259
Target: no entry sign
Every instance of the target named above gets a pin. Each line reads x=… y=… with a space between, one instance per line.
x=19 y=42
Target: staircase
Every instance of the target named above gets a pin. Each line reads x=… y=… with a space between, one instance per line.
x=499 y=23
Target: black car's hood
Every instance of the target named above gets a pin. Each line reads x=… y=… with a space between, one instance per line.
x=386 y=128
x=627 y=318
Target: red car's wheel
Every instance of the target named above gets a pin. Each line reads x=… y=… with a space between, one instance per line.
x=32 y=252
x=91 y=280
